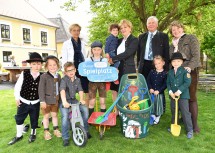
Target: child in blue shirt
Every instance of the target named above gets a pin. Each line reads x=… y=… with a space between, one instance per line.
x=112 y=43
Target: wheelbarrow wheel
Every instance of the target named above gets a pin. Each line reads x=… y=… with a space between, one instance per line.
x=79 y=136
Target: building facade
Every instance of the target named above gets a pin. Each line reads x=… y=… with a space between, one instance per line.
x=23 y=31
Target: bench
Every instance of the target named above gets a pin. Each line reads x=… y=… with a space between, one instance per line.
x=207 y=82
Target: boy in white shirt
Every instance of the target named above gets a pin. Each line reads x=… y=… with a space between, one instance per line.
x=27 y=98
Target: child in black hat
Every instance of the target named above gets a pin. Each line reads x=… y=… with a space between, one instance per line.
x=178 y=82
x=27 y=98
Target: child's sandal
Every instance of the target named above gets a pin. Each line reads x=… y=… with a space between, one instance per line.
x=47 y=135
x=57 y=133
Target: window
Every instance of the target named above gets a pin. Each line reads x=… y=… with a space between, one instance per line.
x=5 y=31
x=44 y=55
x=26 y=35
x=43 y=37
x=6 y=56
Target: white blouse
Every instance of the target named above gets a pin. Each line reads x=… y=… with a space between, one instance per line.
x=121 y=48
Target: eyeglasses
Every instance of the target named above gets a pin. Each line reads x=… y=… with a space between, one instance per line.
x=72 y=70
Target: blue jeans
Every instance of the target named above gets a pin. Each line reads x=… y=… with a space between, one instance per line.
x=112 y=54
x=65 y=119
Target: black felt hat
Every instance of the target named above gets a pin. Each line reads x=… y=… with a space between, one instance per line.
x=177 y=55
x=96 y=44
x=35 y=57
x=51 y=57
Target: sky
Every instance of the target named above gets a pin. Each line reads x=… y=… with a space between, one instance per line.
x=51 y=9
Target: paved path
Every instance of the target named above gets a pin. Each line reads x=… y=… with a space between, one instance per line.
x=5 y=85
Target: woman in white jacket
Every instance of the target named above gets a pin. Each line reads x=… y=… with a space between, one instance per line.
x=73 y=50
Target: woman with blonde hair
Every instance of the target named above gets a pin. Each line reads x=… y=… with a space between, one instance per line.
x=125 y=53
x=73 y=50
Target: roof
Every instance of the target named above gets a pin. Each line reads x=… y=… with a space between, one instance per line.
x=63 y=30
x=21 y=9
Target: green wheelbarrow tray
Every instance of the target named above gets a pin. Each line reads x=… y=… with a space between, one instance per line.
x=175 y=128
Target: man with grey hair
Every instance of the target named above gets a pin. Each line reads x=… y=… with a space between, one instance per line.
x=152 y=43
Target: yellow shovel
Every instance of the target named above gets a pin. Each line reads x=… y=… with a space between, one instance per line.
x=175 y=128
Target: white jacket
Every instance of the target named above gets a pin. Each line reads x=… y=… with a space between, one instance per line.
x=68 y=51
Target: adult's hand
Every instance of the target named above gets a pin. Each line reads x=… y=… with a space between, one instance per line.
x=188 y=69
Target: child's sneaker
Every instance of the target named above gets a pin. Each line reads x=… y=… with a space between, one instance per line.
x=47 y=135
x=57 y=133
x=190 y=134
x=157 y=120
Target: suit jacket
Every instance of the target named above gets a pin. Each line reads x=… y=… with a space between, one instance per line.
x=160 y=46
x=188 y=46
x=126 y=58
x=181 y=81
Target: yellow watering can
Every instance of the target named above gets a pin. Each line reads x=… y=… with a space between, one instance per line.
x=133 y=105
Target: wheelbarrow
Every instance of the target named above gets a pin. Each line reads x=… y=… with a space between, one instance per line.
x=111 y=121
x=103 y=120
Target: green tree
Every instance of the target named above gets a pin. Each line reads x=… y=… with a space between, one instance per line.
x=197 y=15
x=208 y=46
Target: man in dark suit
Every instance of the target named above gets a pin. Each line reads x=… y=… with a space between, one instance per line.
x=152 y=43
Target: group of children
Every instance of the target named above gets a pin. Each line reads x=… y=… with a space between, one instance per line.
x=177 y=81
x=48 y=90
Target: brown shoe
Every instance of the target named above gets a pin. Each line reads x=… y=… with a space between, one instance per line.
x=57 y=133
x=47 y=135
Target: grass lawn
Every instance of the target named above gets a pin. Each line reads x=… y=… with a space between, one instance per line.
x=158 y=140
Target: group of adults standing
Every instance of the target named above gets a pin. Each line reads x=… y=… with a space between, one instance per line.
x=147 y=45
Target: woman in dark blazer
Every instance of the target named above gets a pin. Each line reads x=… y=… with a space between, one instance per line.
x=125 y=53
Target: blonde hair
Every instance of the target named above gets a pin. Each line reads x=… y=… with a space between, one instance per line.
x=176 y=24
x=72 y=26
x=127 y=22
x=158 y=57
x=54 y=59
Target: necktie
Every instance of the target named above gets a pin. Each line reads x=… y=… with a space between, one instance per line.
x=150 y=55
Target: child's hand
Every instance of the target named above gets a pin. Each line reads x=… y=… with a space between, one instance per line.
x=82 y=102
x=172 y=95
x=177 y=93
x=110 y=61
x=66 y=104
x=18 y=103
x=107 y=56
x=151 y=91
x=43 y=105
x=156 y=92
